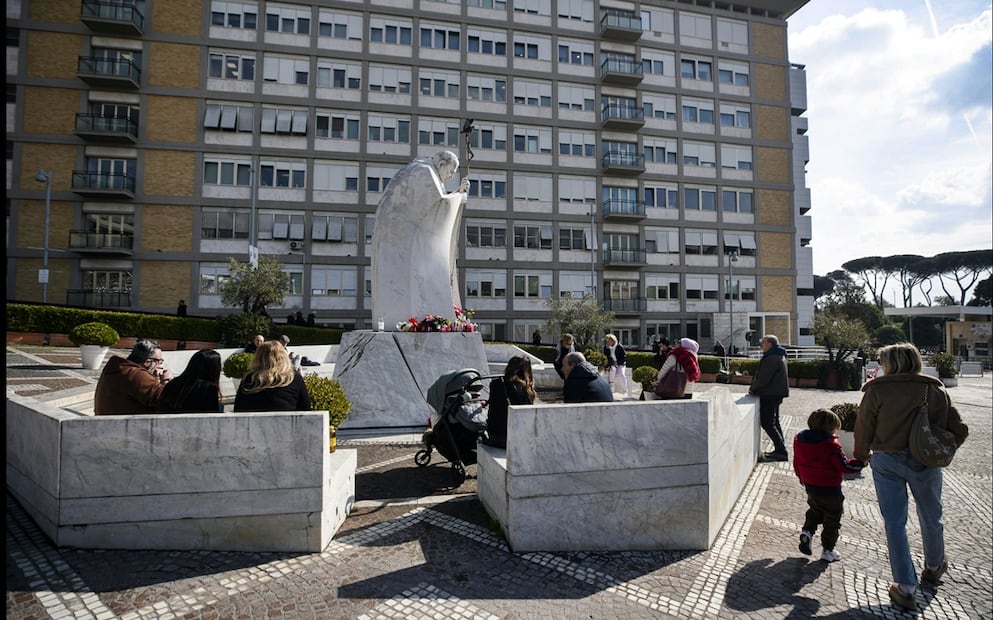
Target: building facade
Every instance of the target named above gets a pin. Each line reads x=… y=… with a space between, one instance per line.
x=651 y=154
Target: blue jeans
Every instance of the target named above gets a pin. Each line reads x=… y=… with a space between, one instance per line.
x=892 y=472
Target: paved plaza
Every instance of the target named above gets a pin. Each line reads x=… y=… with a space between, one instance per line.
x=412 y=548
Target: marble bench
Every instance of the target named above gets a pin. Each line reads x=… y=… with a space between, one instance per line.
x=237 y=482
x=634 y=475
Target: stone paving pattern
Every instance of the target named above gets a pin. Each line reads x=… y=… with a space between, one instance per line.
x=415 y=548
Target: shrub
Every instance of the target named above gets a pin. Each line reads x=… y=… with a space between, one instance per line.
x=645 y=375
x=237 y=330
x=236 y=365
x=803 y=370
x=709 y=364
x=326 y=394
x=597 y=358
x=99 y=334
x=300 y=335
x=743 y=366
x=847 y=413
x=637 y=359
x=945 y=364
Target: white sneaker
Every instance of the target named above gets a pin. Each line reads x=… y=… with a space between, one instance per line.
x=830 y=555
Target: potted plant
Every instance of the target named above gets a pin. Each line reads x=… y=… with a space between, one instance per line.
x=236 y=367
x=847 y=413
x=710 y=366
x=94 y=340
x=326 y=394
x=645 y=375
x=944 y=363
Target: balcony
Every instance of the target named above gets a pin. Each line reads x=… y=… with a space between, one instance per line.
x=626 y=306
x=621 y=70
x=624 y=258
x=86 y=242
x=623 y=209
x=108 y=17
x=98 y=299
x=113 y=184
x=616 y=116
x=623 y=162
x=106 y=129
x=105 y=72
x=619 y=25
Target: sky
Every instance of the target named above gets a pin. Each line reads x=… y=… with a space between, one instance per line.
x=899 y=109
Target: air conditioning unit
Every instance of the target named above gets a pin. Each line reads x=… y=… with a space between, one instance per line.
x=296 y=245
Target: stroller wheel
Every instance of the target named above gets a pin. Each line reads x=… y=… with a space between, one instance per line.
x=422 y=458
x=458 y=471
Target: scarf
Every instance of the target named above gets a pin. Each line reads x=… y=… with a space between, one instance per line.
x=688 y=361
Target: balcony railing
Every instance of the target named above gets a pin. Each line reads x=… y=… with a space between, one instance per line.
x=109 y=72
x=623 y=70
x=620 y=25
x=119 y=17
x=107 y=128
x=103 y=183
x=626 y=306
x=623 y=258
x=98 y=299
x=103 y=243
x=624 y=209
x=615 y=115
x=623 y=162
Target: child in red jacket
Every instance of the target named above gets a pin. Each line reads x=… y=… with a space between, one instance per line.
x=821 y=464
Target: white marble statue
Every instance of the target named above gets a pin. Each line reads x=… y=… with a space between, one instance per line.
x=415 y=241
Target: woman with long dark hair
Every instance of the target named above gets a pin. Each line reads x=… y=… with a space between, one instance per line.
x=516 y=387
x=197 y=389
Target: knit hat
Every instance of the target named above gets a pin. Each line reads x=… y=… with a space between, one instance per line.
x=285 y=339
x=691 y=345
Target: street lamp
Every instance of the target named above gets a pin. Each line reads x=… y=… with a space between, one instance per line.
x=45 y=177
x=732 y=259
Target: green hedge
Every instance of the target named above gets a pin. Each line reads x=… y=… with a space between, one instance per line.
x=709 y=364
x=745 y=366
x=59 y=320
x=803 y=370
x=300 y=335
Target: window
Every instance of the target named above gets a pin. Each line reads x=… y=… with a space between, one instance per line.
x=533 y=285
x=212 y=276
x=573 y=97
x=486 y=42
x=698 y=111
x=699 y=154
x=486 y=89
x=284 y=121
x=621 y=289
x=336 y=176
x=438 y=132
x=581 y=10
x=378 y=177
x=440 y=37
x=742 y=243
x=533 y=93
x=573 y=238
x=486 y=235
x=389 y=79
x=659 y=107
x=662 y=241
x=737 y=201
x=224 y=223
x=337 y=125
x=11 y=93
x=338 y=74
x=700 y=198
x=439 y=84
x=735 y=116
x=740 y=288
x=535 y=7
x=739 y=157
x=497 y=5
x=218 y=171
x=621 y=199
x=490 y=284
x=230 y=66
x=233 y=14
x=533 y=236
x=696 y=69
x=287 y=19
x=660 y=287
x=228 y=117
x=574 y=53
x=577 y=190
x=533 y=188
x=490 y=137
x=483 y=185
x=283 y=174
x=390 y=32
x=388 y=128
x=701 y=287
x=339 y=25
x=577 y=143
x=661 y=197
x=732 y=35
x=701 y=242
x=333 y=282
x=574 y=284
x=281 y=225
x=694 y=29
x=532 y=140
x=732 y=73
x=655 y=63
x=286 y=70
x=107 y=281
x=660 y=151
x=335 y=228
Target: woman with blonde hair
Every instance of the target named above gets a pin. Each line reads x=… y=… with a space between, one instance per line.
x=271 y=383
x=886 y=416
x=515 y=387
x=615 y=354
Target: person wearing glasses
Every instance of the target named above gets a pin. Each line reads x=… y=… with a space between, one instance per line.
x=133 y=384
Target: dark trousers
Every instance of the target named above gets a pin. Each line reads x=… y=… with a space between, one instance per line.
x=769 y=416
x=826 y=510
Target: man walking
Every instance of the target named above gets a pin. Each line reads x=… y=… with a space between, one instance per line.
x=771 y=384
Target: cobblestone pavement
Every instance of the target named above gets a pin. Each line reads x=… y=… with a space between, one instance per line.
x=413 y=548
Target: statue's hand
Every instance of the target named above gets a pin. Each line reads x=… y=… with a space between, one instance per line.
x=464 y=185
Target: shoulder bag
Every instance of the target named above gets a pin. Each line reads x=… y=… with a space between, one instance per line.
x=930 y=445
x=673 y=384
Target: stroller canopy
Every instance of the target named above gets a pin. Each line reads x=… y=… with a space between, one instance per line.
x=450 y=383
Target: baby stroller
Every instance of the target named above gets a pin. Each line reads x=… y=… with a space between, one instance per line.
x=460 y=422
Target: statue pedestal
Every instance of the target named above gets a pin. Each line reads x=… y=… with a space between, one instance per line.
x=386 y=375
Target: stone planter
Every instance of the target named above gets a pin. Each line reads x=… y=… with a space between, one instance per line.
x=806 y=383
x=847 y=441
x=92 y=355
x=950 y=381
x=741 y=379
x=708 y=377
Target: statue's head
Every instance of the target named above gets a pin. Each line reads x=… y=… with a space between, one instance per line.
x=447 y=164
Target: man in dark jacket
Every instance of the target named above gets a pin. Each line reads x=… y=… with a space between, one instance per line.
x=132 y=385
x=771 y=384
x=583 y=383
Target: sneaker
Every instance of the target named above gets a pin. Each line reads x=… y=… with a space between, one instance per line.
x=934 y=575
x=770 y=457
x=902 y=599
x=830 y=555
x=805 y=542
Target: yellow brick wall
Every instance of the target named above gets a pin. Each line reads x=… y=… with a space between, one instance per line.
x=59 y=158
x=26 y=287
x=177 y=17
x=171 y=119
x=777 y=295
x=167 y=228
x=772 y=164
x=769 y=81
x=169 y=173
x=54 y=54
x=769 y=40
x=50 y=110
x=31 y=224
x=779 y=327
x=175 y=65
x=772 y=123
x=774 y=208
x=775 y=250
x=163 y=283
x=59 y=12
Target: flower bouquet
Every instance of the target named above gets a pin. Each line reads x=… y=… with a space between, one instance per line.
x=434 y=323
